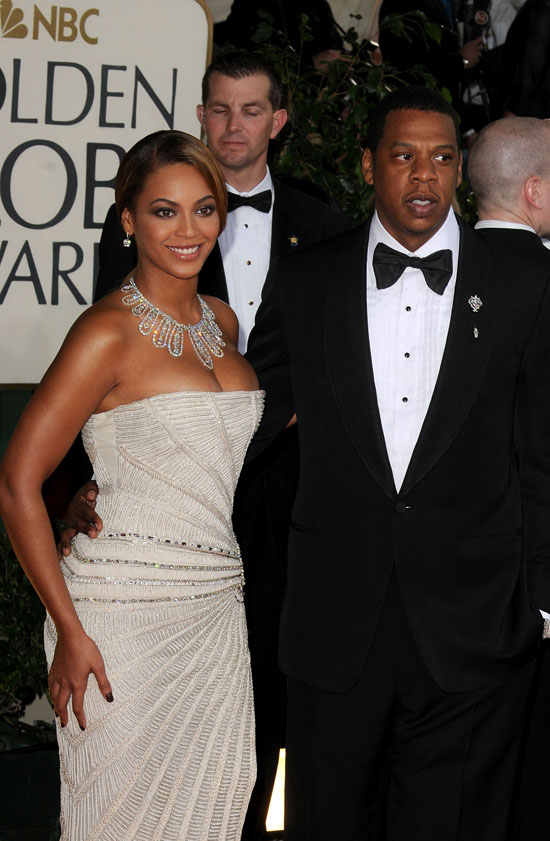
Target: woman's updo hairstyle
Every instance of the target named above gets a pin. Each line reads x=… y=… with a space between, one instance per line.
x=164 y=148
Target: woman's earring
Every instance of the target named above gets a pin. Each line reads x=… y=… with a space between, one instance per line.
x=127 y=241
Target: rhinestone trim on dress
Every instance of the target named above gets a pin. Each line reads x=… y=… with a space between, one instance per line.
x=143 y=539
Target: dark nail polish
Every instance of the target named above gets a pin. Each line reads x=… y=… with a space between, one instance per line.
x=81 y=727
x=109 y=697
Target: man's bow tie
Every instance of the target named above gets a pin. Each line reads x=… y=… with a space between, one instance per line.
x=389 y=265
x=261 y=201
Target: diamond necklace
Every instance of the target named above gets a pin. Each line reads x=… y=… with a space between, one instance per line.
x=205 y=336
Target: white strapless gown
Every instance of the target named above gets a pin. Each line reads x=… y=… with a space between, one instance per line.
x=160 y=592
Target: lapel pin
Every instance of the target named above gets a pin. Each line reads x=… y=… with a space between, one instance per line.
x=293 y=240
x=476 y=303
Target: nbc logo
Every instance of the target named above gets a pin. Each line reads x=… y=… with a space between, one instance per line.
x=62 y=24
x=11 y=21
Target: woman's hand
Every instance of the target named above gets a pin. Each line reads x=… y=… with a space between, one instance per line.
x=76 y=657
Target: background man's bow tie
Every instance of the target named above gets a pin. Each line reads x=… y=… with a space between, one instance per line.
x=261 y=201
x=389 y=265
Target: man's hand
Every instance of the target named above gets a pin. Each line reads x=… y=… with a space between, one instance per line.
x=471 y=51
x=81 y=517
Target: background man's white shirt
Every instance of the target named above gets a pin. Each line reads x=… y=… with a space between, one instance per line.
x=245 y=246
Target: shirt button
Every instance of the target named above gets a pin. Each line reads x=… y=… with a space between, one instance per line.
x=407 y=355
x=405 y=399
x=251 y=302
x=408 y=309
x=248 y=262
x=401 y=507
x=246 y=226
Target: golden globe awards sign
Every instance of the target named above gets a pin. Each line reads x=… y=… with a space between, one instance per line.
x=79 y=85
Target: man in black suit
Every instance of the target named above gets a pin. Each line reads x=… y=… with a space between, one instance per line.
x=509 y=170
x=240 y=113
x=419 y=547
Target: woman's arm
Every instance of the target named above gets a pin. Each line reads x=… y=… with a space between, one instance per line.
x=84 y=371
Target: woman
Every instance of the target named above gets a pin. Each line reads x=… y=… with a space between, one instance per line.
x=145 y=633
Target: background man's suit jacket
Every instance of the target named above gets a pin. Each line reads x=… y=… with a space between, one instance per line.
x=469 y=528
x=532 y=813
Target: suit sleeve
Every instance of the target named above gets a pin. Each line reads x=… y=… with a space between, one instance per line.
x=268 y=355
x=115 y=261
x=533 y=448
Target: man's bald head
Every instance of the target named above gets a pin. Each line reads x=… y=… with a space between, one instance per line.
x=506 y=155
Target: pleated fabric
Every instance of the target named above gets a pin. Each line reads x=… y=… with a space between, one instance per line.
x=160 y=592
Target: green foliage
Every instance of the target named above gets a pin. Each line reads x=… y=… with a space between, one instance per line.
x=22 y=664
x=329 y=110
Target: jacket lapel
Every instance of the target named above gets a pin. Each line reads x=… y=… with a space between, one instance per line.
x=464 y=359
x=348 y=358
x=287 y=231
x=349 y=363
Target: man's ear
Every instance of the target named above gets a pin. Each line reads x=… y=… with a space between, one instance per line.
x=200 y=116
x=367 y=166
x=280 y=117
x=533 y=192
x=127 y=221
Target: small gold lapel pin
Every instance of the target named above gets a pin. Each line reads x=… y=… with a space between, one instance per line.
x=293 y=240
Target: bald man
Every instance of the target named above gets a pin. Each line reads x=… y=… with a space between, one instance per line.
x=509 y=169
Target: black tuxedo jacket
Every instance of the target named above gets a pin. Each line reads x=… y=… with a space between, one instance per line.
x=525 y=243
x=470 y=526
x=297 y=218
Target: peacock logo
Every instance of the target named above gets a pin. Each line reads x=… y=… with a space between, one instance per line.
x=11 y=21
x=60 y=23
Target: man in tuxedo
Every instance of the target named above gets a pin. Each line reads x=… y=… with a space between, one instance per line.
x=509 y=169
x=241 y=112
x=419 y=548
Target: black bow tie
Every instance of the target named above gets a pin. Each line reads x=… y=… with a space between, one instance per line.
x=389 y=265
x=261 y=201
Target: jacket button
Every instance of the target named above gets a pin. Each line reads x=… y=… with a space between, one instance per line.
x=401 y=507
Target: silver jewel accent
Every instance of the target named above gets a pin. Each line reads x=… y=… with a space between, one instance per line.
x=476 y=333
x=152 y=582
x=148 y=539
x=205 y=336
x=154 y=564
x=476 y=303
x=127 y=241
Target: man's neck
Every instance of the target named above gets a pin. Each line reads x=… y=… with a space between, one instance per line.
x=503 y=214
x=244 y=180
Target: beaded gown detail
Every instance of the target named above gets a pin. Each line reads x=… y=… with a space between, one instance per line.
x=160 y=592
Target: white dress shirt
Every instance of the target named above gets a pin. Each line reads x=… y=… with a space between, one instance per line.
x=245 y=246
x=499 y=223
x=408 y=326
x=511 y=226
